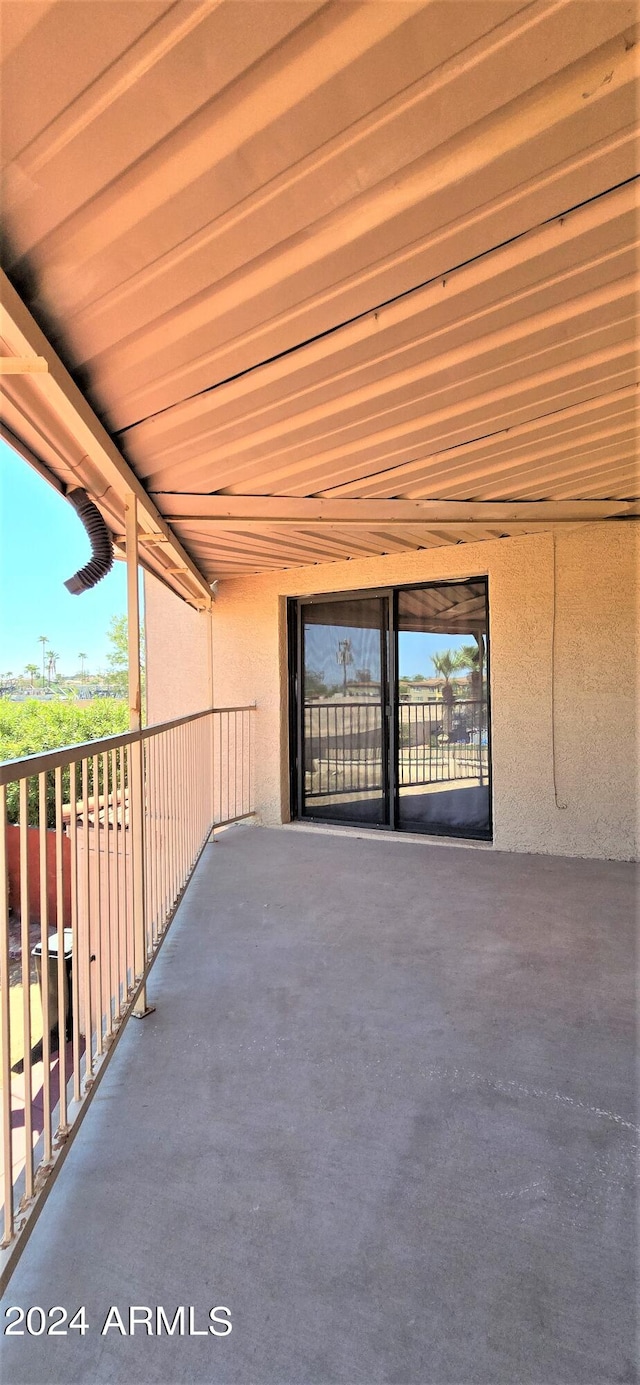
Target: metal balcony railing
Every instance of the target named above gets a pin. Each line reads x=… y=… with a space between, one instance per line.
x=97 y=843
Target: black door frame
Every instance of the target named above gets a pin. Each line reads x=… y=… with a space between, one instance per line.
x=389 y=694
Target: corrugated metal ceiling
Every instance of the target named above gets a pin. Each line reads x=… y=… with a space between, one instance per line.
x=335 y=250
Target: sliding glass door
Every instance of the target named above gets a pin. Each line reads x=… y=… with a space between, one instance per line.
x=442 y=709
x=392 y=708
x=343 y=769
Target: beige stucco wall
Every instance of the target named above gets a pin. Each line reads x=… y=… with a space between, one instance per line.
x=178 y=654
x=595 y=683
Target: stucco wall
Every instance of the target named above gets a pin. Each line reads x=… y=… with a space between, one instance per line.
x=594 y=687
x=178 y=654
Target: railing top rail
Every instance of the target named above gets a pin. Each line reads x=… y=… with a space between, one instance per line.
x=10 y=770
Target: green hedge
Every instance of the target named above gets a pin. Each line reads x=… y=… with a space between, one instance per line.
x=27 y=728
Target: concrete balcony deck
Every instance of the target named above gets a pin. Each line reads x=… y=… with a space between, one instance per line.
x=384 y=1112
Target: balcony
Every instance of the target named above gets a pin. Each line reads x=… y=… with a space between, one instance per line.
x=329 y=306
x=383 y=1112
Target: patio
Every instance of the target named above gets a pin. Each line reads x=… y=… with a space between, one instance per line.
x=383 y=1112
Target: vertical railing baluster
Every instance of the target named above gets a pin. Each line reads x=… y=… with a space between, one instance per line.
x=126 y=872
x=153 y=749
x=26 y=984
x=95 y=901
x=181 y=811
x=176 y=813
x=147 y=771
x=152 y=762
x=85 y=938
x=220 y=772
x=170 y=813
x=226 y=768
x=108 y=912
x=164 y=833
x=241 y=757
x=195 y=795
x=199 y=760
x=184 y=807
x=152 y=842
x=200 y=737
x=136 y=811
x=208 y=786
x=64 y=999
x=171 y=824
x=200 y=775
x=5 y=1035
x=147 y=806
x=75 y=929
x=192 y=795
x=44 y=962
x=188 y=735
x=188 y=800
x=114 y=855
x=177 y=809
x=160 y=832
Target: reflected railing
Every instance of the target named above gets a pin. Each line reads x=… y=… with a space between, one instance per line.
x=438 y=742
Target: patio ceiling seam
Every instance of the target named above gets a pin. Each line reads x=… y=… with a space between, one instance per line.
x=372 y=311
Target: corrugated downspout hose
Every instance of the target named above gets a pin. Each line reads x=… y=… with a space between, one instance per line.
x=101 y=560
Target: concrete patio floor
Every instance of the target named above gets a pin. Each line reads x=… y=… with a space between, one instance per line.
x=384 y=1112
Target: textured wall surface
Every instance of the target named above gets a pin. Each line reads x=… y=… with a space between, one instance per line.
x=178 y=654
x=589 y=703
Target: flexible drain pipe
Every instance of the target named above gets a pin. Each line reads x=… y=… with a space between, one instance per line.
x=101 y=560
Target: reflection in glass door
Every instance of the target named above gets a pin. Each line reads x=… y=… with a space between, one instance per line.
x=343 y=730
x=442 y=711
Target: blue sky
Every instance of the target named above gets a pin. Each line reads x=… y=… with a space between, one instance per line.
x=415 y=650
x=42 y=543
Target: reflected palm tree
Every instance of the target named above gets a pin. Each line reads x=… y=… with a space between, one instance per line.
x=446 y=664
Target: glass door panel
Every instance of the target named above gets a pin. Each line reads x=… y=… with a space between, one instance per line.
x=343 y=732
x=442 y=720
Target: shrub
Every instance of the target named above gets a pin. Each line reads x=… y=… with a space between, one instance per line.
x=27 y=728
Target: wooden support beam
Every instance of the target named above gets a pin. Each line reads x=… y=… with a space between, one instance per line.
x=248 y=511
x=23 y=365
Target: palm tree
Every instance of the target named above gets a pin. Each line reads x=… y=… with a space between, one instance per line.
x=52 y=659
x=82 y=658
x=472 y=656
x=43 y=640
x=32 y=670
x=344 y=656
x=447 y=663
